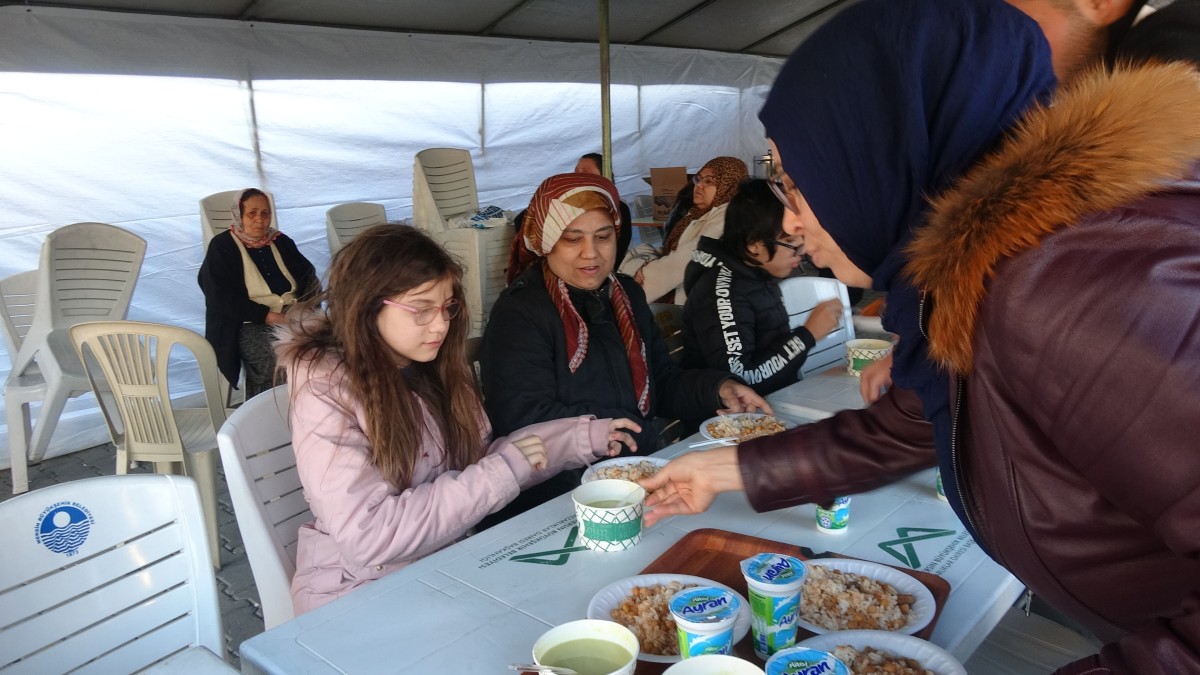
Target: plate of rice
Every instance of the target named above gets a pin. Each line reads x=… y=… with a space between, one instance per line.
x=846 y=594
x=624 y=468
x=740 y=426
x=640 y=604
x=873 y=652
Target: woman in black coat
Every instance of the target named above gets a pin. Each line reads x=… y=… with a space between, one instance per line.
x=251 y=275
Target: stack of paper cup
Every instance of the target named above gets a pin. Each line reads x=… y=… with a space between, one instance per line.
x=704 y=617
x=774 y=581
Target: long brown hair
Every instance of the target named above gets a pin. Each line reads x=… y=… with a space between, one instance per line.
x=383 y=262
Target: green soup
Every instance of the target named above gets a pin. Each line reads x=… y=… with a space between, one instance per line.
x=605 y=503
x=587 y=656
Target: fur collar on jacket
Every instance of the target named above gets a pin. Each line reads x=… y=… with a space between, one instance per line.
x=1106 y=140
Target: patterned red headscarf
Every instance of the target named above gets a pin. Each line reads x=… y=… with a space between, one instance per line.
x=558 y=201
x=729 y=172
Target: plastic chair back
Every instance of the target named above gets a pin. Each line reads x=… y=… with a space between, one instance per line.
x=87 y=272
x=107 y=575
x=134 y=357
x=670 y=323
x=216 y=213
x=260 y=467
x=800 y=296
x=484 y=257
x=18 y=297
x=344 y=221
x=443 y=187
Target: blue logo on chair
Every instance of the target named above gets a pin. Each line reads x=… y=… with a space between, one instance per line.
x=63 y=527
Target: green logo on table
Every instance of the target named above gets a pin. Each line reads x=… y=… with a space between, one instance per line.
x=906 y=553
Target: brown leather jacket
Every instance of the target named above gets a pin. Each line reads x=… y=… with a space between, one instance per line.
x=1073 y=326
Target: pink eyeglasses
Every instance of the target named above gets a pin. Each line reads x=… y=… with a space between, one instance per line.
x=423 y=316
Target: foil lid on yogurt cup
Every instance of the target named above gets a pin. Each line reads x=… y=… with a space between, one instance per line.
x=805 y=661
x=705 y=605
x=774 y=569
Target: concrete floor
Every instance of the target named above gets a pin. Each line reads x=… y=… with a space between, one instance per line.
x=241 y=611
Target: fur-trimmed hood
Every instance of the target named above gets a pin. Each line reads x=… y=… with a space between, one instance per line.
x=1106 y=140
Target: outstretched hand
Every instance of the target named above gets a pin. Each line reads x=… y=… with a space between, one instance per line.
x=688 y=484
x=738 y=398
x=620 y=431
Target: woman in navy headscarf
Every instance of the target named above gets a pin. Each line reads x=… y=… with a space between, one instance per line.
x=1037 y=257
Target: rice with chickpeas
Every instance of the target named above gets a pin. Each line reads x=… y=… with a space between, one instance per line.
x=871 y=661
x=837 y=600
x=645 y=611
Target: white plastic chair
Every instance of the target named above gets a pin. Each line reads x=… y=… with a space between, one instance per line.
x=18 y=295
x=216 y=213
x=87 y=272
x=443 y=187
x=800 y=296
x=484 y=257
x=344 y=221
x=105 y=575
x=260 y=467
x=134 y=358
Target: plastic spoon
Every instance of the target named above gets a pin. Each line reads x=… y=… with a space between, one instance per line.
x=535 y=668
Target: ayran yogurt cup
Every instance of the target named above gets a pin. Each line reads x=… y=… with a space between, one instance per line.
x=805 y=661
x=704 y=617
x=773 y=581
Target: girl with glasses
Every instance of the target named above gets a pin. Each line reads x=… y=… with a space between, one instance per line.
x=393 y=448
x=660 y=271
x=744 y=328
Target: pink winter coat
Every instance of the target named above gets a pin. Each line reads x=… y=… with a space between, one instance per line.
x=364 y=527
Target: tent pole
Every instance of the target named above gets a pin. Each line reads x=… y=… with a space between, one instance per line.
x=605 y=98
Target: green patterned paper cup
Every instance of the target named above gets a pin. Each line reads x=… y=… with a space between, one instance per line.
x=860 y=354
x=609 y=514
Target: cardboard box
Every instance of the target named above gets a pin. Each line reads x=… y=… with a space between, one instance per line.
x=665 y=184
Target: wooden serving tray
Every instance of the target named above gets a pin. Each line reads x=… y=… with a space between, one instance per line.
x=716 y=554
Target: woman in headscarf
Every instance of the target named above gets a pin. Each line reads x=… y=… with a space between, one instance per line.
x=660 y=273
x=251 y=275
x=1038 y=255
x=570 y=338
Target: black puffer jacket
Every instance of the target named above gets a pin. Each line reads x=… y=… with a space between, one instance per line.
x=526 y=378
x=735 y=321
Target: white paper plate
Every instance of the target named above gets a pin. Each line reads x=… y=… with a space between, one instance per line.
x=705 y=423
x=609 y=597
x=923 y=606
x=592 y=471
x=928 y=654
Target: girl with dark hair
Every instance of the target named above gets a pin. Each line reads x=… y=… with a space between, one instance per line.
x=392 y=445
x=251 y=275
x=734 y=318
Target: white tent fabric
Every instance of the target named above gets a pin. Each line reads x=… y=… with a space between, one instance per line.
x=131 y=119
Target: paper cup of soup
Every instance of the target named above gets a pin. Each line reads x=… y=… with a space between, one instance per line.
x=860 y=354
x=609 y=514
x=714 y=664
x=589 y=647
